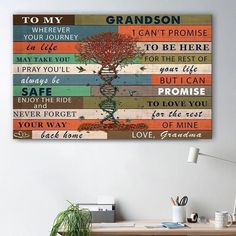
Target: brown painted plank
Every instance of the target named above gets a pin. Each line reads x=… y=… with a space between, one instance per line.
x=152 y=102
x=22 y=134
x=27 y=19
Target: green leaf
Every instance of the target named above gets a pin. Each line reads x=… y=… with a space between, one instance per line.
x=75 y=221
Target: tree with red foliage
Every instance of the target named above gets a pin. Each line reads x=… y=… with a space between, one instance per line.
x=110 y=50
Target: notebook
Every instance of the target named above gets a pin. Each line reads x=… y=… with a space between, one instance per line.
x=173 y=225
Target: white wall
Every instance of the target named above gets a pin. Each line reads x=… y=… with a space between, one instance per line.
x=37 y=177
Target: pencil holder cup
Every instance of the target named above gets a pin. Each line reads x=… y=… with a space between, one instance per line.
x=179 y=214
x=234 y=217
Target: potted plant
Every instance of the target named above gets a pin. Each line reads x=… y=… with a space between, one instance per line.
x=74 y=221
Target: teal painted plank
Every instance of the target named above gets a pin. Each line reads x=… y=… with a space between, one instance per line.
x=77 y=33
x=79 y=79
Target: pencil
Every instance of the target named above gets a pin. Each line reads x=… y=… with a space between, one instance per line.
x=173 y=201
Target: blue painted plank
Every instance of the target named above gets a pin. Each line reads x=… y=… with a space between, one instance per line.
x=80 y=32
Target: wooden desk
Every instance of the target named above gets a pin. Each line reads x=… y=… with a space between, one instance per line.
x=141 y=230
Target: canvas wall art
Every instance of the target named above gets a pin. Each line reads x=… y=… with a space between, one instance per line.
x=112 y=77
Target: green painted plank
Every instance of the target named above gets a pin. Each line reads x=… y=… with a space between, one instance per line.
x=45 y=59
x=51 y=91
x=149 y=58
x=52 y=59
x=141 y=19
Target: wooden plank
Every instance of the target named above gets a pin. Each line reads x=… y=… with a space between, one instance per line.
x=194 y=124
x=51 y=33
x=163 y=135
x=74 y=47
x=68 y=134
x=122 y=102
x=140 y=19
x=48 y=102
x=22 y=134
x=144 y=91
x=68 y=58
x=177 y=33
x=123 y=79
x=44 y=47
x=175 y=58
x=152 y=102
x=76 y=135
x=88 y=114
x=181 y=80
x=129 y=69
x=51 y=91
x=175 y=47
x=40 y=19
x=93 y=79
x=150 y=58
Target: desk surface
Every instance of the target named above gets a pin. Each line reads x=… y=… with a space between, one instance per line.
x=141 y=230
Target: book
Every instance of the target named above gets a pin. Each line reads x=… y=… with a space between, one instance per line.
x=173 y=225
x=96 y=207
